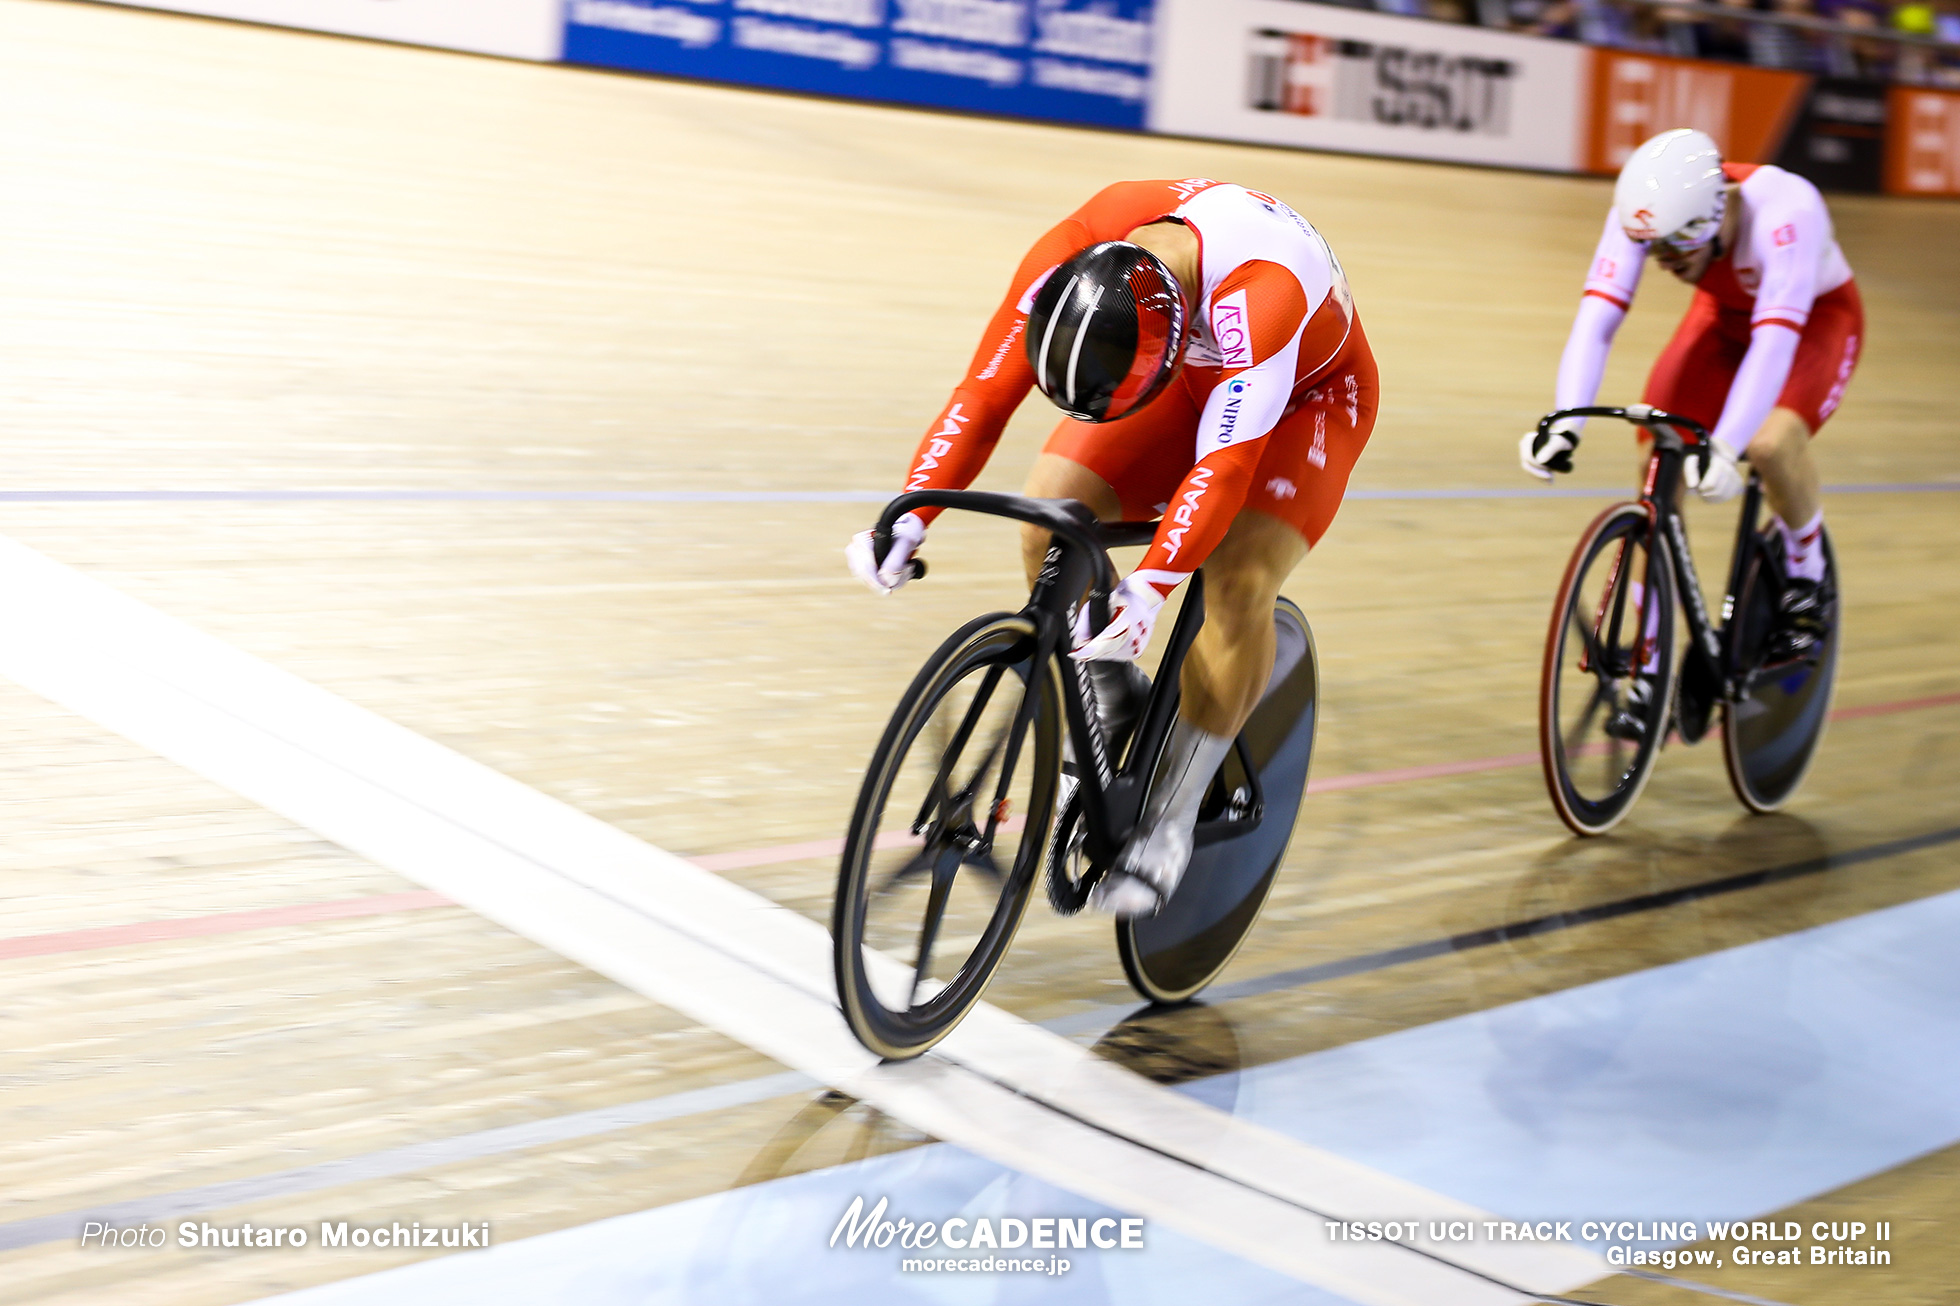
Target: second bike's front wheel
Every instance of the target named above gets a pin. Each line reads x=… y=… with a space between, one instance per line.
x=1608 y=677
x=947 y=837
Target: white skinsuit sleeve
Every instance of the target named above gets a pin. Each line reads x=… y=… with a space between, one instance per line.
x=1610 y=283
x=1758 y=382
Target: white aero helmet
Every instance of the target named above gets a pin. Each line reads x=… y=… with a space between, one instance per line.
x=1672 y=190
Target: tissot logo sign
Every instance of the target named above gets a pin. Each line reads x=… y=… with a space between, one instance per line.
x=1362 y=81
x=1329 y=77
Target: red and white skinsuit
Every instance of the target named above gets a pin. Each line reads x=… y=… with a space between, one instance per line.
x=1775 y=321
x=1273 y=405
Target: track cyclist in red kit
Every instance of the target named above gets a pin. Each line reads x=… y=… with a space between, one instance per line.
x=1202 y=339
x=1762 y=356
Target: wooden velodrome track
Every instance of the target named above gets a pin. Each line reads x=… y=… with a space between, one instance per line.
x=256 y=261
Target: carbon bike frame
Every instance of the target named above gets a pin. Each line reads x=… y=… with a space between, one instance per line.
x=1710 y=652
x=1078 y=560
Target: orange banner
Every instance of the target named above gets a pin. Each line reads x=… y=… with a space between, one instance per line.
x=1922 y=142
x=1747 y=110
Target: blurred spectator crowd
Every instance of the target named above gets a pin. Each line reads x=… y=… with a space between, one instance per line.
x=1835 y=38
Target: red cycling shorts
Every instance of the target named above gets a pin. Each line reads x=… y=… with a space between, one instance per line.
x=1302 y=475
x=1693 y=374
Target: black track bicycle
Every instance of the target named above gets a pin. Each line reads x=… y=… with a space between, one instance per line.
x=958 y=818
x=1600 y=728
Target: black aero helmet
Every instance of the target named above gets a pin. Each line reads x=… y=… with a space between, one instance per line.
x=1106 y=331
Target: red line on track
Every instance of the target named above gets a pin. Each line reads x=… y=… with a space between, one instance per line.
x=1436 y=770
x=234 y=922
x=792 y=852
x=224 y=922
x=1902 y=705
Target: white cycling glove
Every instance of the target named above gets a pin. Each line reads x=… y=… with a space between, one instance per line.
x=908 y=532
x=1711 y=471
x=1133 y=608
x=1541 y=455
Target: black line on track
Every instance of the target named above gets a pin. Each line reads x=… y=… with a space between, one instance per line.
x=1471 y=940
x=1142 y=1145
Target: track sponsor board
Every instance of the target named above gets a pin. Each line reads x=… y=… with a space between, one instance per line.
x=1064 y=60
x=1922 y=148
x=1747 y=110
x=1286 y=72
x=518 y=29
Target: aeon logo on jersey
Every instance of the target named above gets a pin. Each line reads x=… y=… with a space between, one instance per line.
x=938 y=445
x=1785 y=234
x=1231 y=332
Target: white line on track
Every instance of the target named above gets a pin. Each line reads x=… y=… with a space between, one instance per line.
x=1000 y=1087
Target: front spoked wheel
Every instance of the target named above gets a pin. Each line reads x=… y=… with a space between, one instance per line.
x=947 y=837
x=1608 y=678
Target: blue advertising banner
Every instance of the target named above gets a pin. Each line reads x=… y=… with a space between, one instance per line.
x=1084 y=61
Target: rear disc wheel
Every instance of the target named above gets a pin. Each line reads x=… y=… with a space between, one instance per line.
x=1770 y=730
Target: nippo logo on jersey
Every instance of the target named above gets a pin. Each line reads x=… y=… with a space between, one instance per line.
x=1360 y=81
x=1231 y=332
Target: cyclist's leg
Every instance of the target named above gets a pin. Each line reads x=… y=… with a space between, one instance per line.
x=1232 y=657
x=1122 y=470
x=1690 y=378
x=1780 y=451
x=1298 y=487
x=1056 y=476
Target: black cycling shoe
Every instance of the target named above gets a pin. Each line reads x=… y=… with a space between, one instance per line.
x=1803 y=623
x=1629 y=720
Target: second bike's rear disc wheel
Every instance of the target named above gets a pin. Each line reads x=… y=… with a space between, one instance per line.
x=1771 y=731
x=1169 y=957
x=926 y=903
x=1597 y=641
